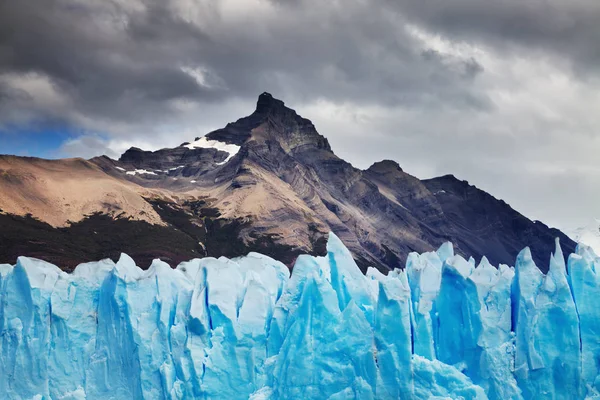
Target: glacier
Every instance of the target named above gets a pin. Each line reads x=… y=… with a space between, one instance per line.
x=441 y=328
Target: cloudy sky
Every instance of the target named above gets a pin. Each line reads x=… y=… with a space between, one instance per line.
x=502 y=93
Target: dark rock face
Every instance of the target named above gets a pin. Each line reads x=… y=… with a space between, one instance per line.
x=95 y=237
x=285 y=188
x=483 y=225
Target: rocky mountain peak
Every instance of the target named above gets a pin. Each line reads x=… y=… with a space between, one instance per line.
x=385 y=166
x=275 y=123
x=271 y=109
x=267 y=104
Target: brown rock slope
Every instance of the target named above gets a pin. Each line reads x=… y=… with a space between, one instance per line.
x=59 y=191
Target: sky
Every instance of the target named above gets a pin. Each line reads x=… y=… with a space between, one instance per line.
x=504 y=94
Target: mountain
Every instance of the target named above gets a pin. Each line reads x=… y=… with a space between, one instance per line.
x=443 y=328
x=268 y=182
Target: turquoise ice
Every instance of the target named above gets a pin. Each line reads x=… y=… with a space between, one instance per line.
x=242 y=328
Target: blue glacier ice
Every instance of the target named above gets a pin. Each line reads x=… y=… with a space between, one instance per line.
x=548 y=351
x=442 y=328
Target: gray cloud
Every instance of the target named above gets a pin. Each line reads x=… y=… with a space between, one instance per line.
x=503 y=94
x=126 y=61
x=567 y=30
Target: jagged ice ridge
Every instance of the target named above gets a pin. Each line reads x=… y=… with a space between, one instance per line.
x=243 y=328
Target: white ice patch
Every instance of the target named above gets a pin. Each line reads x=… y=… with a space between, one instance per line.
x=140 y=171
x=120 y=169
x=205 y=143
x=588 y=235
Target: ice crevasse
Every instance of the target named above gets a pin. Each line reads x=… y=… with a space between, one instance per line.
x=244 y=328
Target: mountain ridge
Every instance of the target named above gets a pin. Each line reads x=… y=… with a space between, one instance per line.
x=284 y=188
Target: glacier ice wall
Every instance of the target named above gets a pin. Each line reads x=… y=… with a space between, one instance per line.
x=236 y=329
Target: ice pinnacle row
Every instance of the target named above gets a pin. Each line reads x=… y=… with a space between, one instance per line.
x=236 y=329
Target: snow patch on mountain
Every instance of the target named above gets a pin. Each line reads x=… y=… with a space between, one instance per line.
x=141 y=172
x=205 y=143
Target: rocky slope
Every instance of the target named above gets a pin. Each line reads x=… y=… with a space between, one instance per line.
x=270 y=182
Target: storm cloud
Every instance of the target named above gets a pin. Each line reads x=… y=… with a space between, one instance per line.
x=504 y=94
